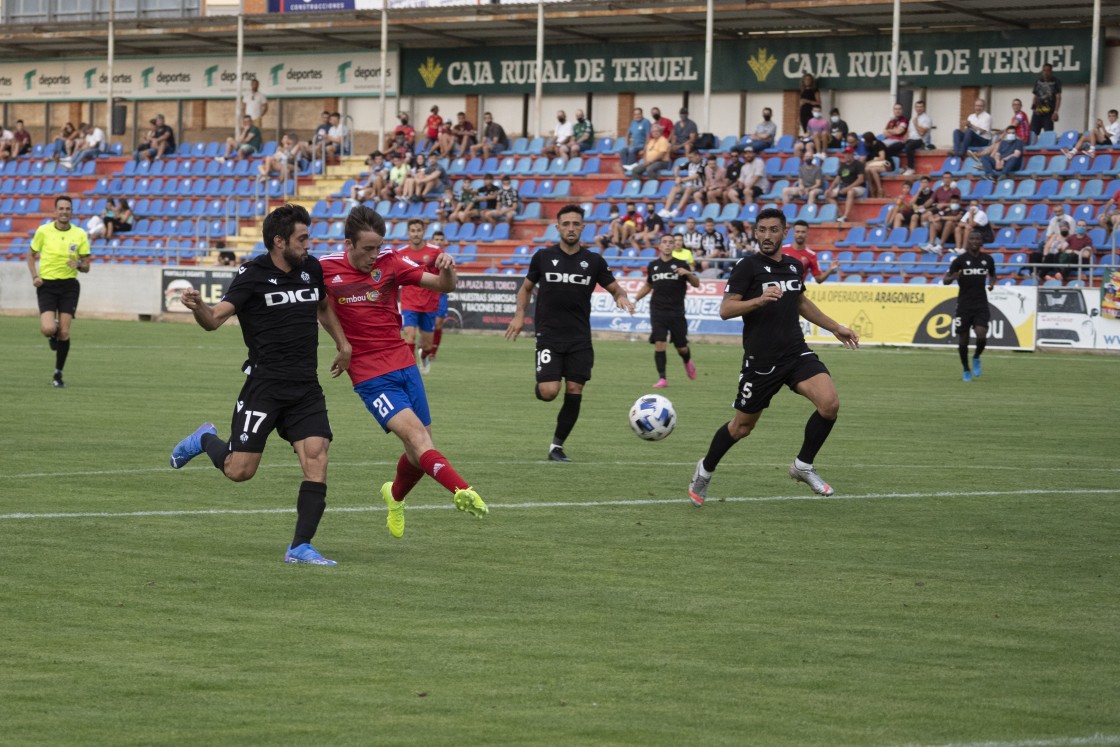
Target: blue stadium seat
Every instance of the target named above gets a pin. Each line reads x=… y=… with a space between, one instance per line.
x=1027 y=238
x=995 y=214
x=1091 y=190
x=1005 y=238
x=1046 y=140
x=784 y=145
x=1016 y=215
x=1085 y=213
x=1102 y=164
x=776 y=188
x=897 y=237
x=1004 y=190
x=520 y=147
x=536 y=146
x=1046 y=190
x=857 y=236
x=881 y=217
x=1057 y=166
x=1025 y=189
x=875 y=237
x=1035 y=166
x=573 y=167
x=1039 y=213
x=563 y=188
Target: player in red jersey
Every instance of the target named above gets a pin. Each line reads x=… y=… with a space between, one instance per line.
x=806 y=256
x=440 y=240
x=419 y=305
x=362 y=284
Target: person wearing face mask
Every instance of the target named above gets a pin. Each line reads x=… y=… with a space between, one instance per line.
x=685 y=134
x=837 y=129
x=763 y=135
x=975 y=219
x=944 y=212
x=810 y=101
x=809 y=184
x=1080 y=249
x=816 y=137
x=1005 y=157
x=1060 y=218
x=561 y=136
x=583 y=135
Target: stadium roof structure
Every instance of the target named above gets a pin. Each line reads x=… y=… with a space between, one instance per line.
x=579 y=21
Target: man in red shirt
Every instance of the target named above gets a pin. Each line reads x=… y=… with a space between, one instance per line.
x=362 y=285
x=806 y=256
x=419 y=305
x=431 y=130
x=404 y=135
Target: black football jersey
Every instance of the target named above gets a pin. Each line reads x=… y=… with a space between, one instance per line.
x=279 y=318
x=668 y=287
x=564 y=284
x=772 y=332
x=974 y=274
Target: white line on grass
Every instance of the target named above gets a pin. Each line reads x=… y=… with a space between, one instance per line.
x=555 y=504
x=294 y=465
x=1096 y=739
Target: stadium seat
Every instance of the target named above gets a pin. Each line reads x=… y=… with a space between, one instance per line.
x=531 y=211
x=1004 y=190
x=1102 y=164
x=847 y=261
x=1005 y=238
x=536 y=146
x=1091 y=190
x=614 y=189
x=520 y=147
x=853 y=278
x=776 y=188
x=1016 y=215
x=857 y=236
x=1056 y=166
x=562 y=188
x=881 y=218
x=896 y=237
x=1085 y=213
x=1046 y=140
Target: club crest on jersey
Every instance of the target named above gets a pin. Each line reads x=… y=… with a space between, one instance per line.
x=583 y=265
x=305 y=277
x=376 y=275
x=792 y=268
x=241 y=269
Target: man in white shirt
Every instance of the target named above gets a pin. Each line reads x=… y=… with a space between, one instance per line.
x=917 y=137
x=562 y=135
x=255 y=102
x=975 y=132
x=336 y=136
x=94 y=146
x=1106 y=135
x=1060 y=218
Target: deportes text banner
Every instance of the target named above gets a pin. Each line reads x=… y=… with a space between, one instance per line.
x=150 y=78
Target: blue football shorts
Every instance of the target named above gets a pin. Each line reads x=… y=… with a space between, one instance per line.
x=386 y=395
x=425 y=320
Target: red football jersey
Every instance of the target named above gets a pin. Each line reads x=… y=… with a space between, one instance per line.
x=413 y=297
x=366 y=305
x=807 y=258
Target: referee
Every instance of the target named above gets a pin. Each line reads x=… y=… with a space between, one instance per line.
x=62 y=250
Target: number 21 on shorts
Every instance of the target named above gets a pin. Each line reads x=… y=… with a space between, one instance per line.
x=383 y=405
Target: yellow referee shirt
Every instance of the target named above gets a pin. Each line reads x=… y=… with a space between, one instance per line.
x=55 y=248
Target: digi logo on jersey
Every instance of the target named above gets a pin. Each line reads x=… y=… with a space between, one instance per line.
x=303 y=295
x=787 y=286
x=664 y=276
x=974 y=271
x=567 y=277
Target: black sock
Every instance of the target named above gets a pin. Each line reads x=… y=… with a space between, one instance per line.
x=963 y=350
x=566 y=420
x=980 y=345
x=659 y=361
x=816 y=431
x=310 y=506
x=216 y=449
x=62 y=350
x=721 y=443
x=686 y=354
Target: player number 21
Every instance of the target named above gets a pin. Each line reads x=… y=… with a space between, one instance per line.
x=249 y=424
x=383 y=405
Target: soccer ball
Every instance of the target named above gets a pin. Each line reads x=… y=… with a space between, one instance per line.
x=652 y=417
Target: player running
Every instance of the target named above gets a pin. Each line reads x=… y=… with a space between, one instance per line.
x=419 y=305
x=567 y=274
x=666 y=278
x=439 y=240
x=767 y=291
x=362 y=284
x=970 y=270
x=280 y=301
x=806 y=256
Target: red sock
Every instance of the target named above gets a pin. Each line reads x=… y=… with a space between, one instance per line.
x=435 y=342
x=406 y=479
x=435 y=464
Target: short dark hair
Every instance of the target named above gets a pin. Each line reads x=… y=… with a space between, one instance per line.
x=771 y=213
x=63 y=198
x=282 y=222
x=413 y=221
x=363 y=218
x=570 y=208
x=800 y=222
x=437 y=233
x=1113 y=111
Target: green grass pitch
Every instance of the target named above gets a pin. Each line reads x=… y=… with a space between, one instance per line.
x=962 y=586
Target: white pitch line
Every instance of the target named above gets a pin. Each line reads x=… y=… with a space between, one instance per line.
x=1096 y=739
x=508 y=462
x=554 y=504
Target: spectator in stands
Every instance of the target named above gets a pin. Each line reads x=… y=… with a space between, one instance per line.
x=1081 y=245
x=583 y=136
x=1109 y=217
x=809 y=183
x=67 y=140
x=1061 y=220
x=877 y=163
x=445 y=146
x=918 y=134
x=118 y=217
x=162 y=142
x=290 y=158
x=1019 y=121
x=506 y=203
x=816 y=137
x=691 y=238
x=428 y=180
x=848 y=183
x=685 y=134
x=623 y=229
x=636 y=136
x=6 y=140
x=1046 y=101
x=375 y=181
x=1104 y=135
x=923 y=201
x=95 y=227
x=466 y=204
x=715 y=184
x=1004 y=158
x=93 y=146
x=465 y=133
x=810 y=100
x=255 y=103
x=944 y=212
x=432 y=127
x=145 y=140
x=975 y=131
x=654 y=159
x=740 y=240
x=487 y=195
x=21 y=140
x=838 y=129
x=561 y=136
x=764 y=134
x=688 y=179
x=753 y=182
x=897 y=127
x=494 y=141
x=859 y=149
x=226 y=258
x=399 y=175
x=1059 y=260
x=901 y=213
x=248 y=141
x=336 y=137
x=975 y=219
x=653 y=229
x=664 y=123
x=713 y=247
x=323 y=128
x=403 y=138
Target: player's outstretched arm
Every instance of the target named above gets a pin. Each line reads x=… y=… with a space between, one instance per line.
x=690 y=277
x=330 y=323
x=208 y=317
x=621 y=298
x=518 y=321
x=812 y=313
x=447 y=278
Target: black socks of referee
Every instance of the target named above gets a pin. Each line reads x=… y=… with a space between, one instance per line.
x=566 y=419
x=721 y=444
x=816 y=431
x=61 y=350
x=310 y=506
x=216 y=449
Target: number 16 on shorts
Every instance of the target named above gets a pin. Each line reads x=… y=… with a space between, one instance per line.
x=544 y=357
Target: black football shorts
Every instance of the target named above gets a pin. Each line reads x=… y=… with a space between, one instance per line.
x=294 y=410
x=758 y=385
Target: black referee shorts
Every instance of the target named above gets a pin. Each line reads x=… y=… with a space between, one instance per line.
x=572 y=361
x=60 y=296
x=757 y=386
x=665 y=326
x=295 y=410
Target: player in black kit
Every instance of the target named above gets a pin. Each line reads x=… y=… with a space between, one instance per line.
x=280 y=300
x=567 y=274
x=666 y=278
x=972 y=270
x=766 y=290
